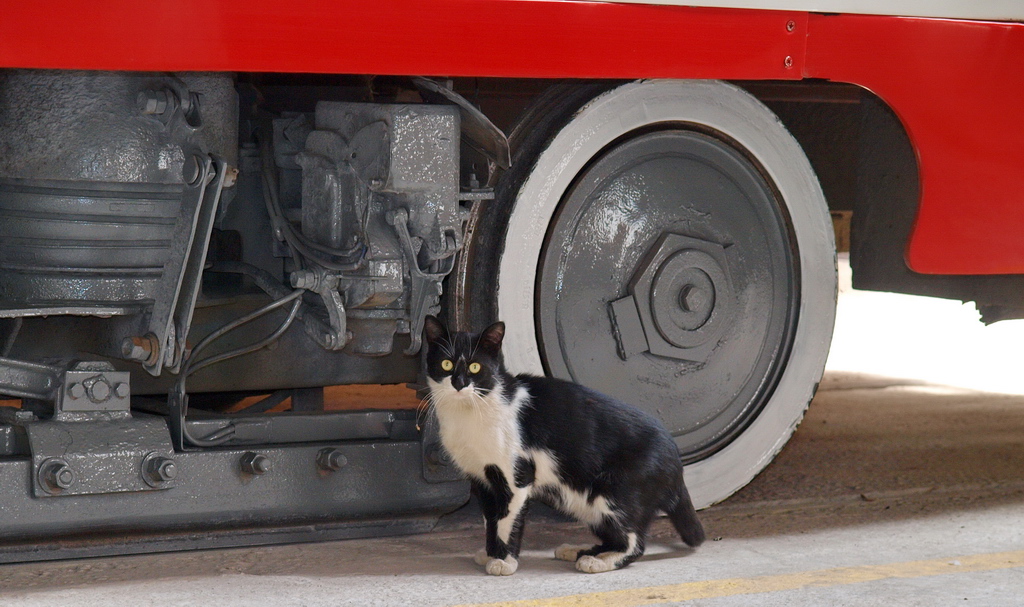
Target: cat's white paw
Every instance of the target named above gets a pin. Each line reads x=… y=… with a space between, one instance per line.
x=505 y=566
x=597 y=564
x=569 y=552
x=481 y=557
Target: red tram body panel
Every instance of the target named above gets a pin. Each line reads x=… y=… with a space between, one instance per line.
x=955 y=84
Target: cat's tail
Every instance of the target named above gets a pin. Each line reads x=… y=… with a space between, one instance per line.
x=684 y=519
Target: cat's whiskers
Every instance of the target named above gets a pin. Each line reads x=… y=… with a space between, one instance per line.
x=446 y=348
x=449 y=398
x=423 y=409
x=482 y=406
x=469 y=397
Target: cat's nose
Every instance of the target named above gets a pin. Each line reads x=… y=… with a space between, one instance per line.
x=458 y=382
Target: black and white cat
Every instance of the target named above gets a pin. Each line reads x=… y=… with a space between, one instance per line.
x=608 y=464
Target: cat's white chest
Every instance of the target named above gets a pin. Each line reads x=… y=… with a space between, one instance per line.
x=482 y=431
x=473 y=445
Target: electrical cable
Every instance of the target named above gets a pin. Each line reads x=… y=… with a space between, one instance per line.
x=312 y=250
x=212 y=360
x=315 y=324
x=263 y=279
x=224 y=434
x=296 y=240
x=231 y=326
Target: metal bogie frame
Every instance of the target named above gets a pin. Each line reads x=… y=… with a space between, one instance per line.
x=346 y=218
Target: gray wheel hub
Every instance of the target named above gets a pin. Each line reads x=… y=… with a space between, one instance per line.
x=668 y=280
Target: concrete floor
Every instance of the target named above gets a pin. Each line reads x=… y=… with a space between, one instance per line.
x=896 y=490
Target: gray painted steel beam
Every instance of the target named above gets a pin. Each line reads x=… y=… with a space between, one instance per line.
x=220 y=504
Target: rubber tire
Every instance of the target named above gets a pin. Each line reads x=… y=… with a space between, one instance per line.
x=565 y=150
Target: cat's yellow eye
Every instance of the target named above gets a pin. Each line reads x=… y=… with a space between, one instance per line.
x=447 y=365
x=474 y=367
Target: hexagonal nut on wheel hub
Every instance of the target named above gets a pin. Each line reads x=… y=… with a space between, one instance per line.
x=682 y=298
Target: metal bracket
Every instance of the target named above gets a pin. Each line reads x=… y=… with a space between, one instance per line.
x=93 y=444
x=98 y=453
x=425 y=291
x=325 y=285
x=93 y=387
x=477 y=128
x=163 y=341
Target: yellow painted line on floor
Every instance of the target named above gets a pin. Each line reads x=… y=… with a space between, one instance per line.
x=840 y=576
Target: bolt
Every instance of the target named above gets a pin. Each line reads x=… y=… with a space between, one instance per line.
x=684 y=298
x=64 y=477
x=788 y=62
x=122 y=390
x=254 y=463
x=76 y=390
x=790 y=25
x=162 y=469
x=132 y=350
x=331 y=460
x=99 y=391
x=304 y=279
x=192 y=170
x=57 y=476
x=167 y=470
x=231 y=177
x=141 y=349
x=157 y=469
x=152 y=103
x=692 y=297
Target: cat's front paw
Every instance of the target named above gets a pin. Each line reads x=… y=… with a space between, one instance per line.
x=595 y=564
x=505 y=566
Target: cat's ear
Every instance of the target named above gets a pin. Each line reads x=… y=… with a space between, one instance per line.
x=490 y=339
x=433 y=329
